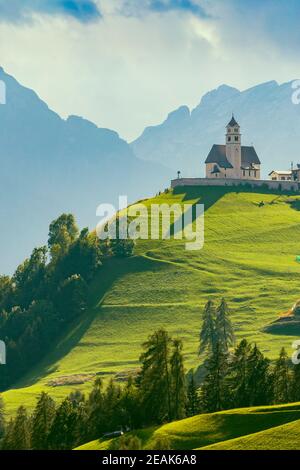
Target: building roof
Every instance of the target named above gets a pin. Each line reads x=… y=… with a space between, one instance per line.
x=233 y=122
x=218 y=155
x=249 y=156
x=281 y=172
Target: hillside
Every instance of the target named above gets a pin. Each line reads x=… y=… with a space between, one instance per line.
x=248 y=257
x=185 y=138
x=51 y=165
x=257 y=426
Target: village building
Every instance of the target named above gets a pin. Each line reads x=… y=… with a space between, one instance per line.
x=281 y=175
x=286 y=175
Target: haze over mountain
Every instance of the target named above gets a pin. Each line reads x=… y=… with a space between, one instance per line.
x=50 y=165
x=267 y=116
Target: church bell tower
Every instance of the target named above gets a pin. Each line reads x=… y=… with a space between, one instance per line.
x=233 y=147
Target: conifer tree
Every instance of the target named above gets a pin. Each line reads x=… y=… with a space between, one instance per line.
x=130 y=409
x=237 y=380
x=224 y=329
x=208 y=330
x=42 y=421
x=154 y=380
x=259 y=390
x=7 y=441
x=192 y=405
x=282 y=383
x=112 y=406
x=63 y=432
x=178 y=387
x=95 y=407
x=20 y=434
x=213 y=392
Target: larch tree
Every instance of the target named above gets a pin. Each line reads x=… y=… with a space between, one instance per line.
x=208 y=330
x=155 y=380
x=42 y=421
x=178 y=386
x=282 y=380
x=224 y=329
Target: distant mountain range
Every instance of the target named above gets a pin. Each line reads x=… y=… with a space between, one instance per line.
x=267 y=116
x=49 y=165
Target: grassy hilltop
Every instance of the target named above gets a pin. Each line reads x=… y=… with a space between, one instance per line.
x=261 y=428
x=248 y=257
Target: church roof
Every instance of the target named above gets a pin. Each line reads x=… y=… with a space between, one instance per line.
x=233 y=122
x=249 y=156
x=218 y=155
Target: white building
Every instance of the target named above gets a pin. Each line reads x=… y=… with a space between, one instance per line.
x=281 y=175
x=286 y=175
x=233 y=160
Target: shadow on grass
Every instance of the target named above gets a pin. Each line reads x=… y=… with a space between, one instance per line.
x=295 y=204
x=210 y=195
x=109 y=273
x=285 y=328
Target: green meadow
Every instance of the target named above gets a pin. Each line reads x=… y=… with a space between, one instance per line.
x=240 y=429
x=249 y=257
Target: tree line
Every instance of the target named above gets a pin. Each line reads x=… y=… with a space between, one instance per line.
x=233 y=376
x=48 y=291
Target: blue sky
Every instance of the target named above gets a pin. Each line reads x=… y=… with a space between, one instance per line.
x=21 y=10
x=126 y=63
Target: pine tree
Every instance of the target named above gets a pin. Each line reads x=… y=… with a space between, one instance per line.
x=42 y=421
x=208 y=330
x=154 y=380
x=178 y=387
x=112 y=407
x=192 y=405
x=237 y=380
x=212 y=392
x=282 y=383
x=258 y=379
x=7 y=442
x=224 y=329
x=95 y=406
x=130 y=409
x=20 y=433
x=62 y=435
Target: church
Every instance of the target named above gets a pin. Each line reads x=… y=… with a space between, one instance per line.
x=233 y=160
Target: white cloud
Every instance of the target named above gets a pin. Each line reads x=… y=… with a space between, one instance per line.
x=128 y=72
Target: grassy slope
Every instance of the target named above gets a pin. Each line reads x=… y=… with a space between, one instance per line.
x=206 y=430
x=248 y=257
x=285 y=437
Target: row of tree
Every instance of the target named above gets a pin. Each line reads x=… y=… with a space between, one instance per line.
x=48 y=291
x=243 y=376
x=157 y=394
x=231 y=377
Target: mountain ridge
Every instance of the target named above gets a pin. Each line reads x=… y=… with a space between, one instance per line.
x=261 y=111
x=51 y=165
